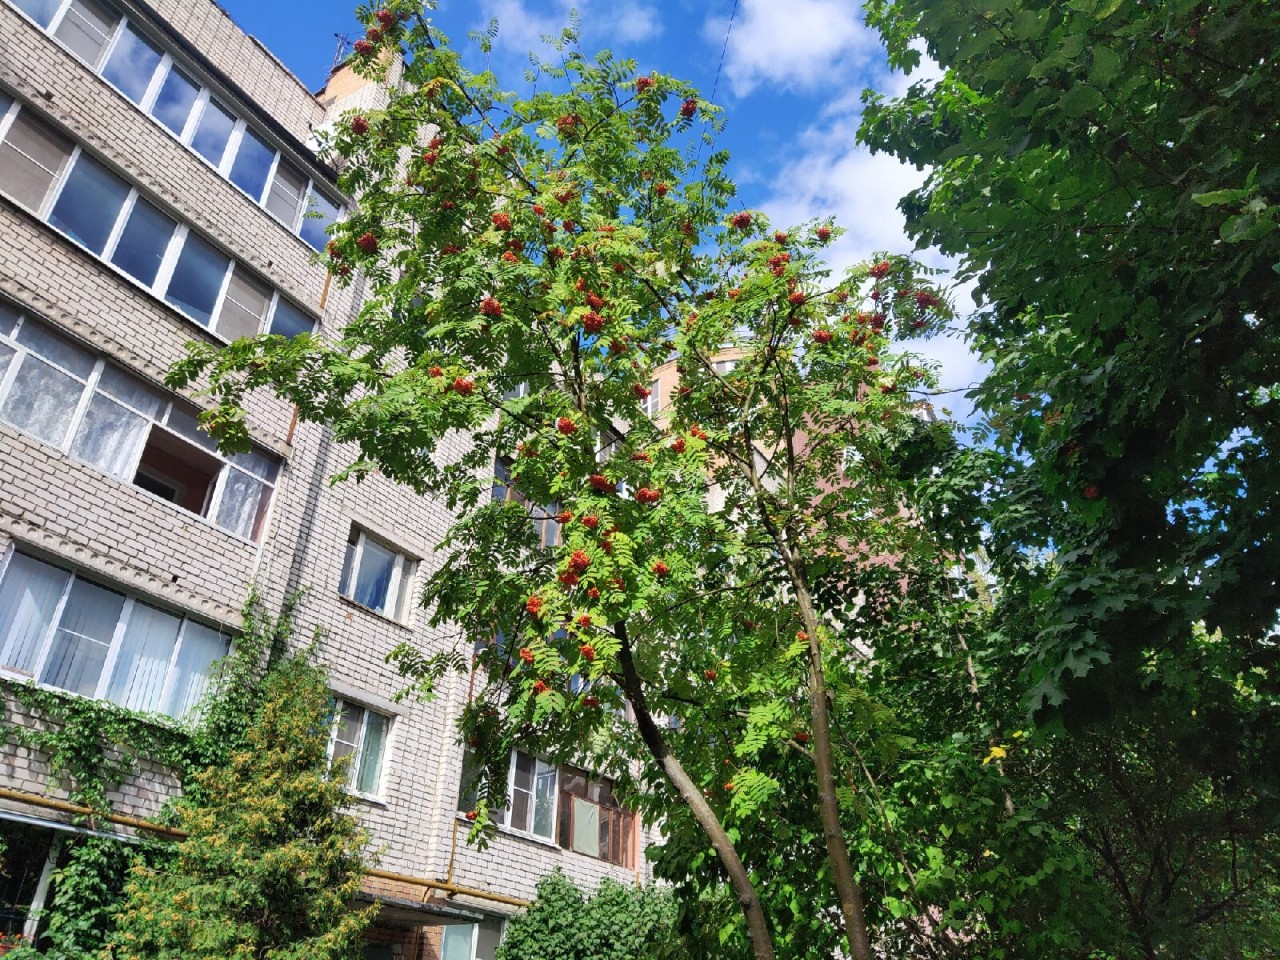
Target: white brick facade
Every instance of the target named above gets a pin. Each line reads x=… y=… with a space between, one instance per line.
x=72 y=515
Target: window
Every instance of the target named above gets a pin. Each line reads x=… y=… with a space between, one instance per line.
x=71 y=633
x=560 y=804
x=361 y=734
x=63 y=395
x=723 y=367
x=653 y=402
x=375 y=576
x=31 y=157
x=543 y=516
x=145 y=73
x=106 y=215
x=471 y=941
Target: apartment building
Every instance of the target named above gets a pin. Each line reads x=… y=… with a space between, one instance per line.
x=157 y=187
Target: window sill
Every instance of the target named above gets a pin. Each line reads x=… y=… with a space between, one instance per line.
x=366 y=799
x=518 y=834
x=374 y=613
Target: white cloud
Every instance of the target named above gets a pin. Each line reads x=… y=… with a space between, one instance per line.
x=523 y=23
x=797 y=45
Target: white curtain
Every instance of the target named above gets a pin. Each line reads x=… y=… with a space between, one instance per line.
x=375 y=741
x=137 y=680
x=586 y=827
x=83 y=637
x=42 y=400
x=28 y=598
x=241 y=498
x=201 y=647
x=111 y=437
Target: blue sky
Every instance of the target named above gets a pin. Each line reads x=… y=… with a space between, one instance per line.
x=790 y=78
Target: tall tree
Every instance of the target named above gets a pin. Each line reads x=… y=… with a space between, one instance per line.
x=1107 y=172
x=540 y=258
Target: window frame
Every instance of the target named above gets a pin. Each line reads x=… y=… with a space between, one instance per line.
x=340 y=703
x=46 y=641
x=90 y=388
x=160 y=286
x=403 y=572
x=168 y=63
x=653 y=402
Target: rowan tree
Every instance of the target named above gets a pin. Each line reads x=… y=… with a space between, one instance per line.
x=676 y=595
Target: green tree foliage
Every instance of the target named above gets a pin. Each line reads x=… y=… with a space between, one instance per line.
x=617 y=922
x=1106 y=170
x=271 y=864
x=573 y=241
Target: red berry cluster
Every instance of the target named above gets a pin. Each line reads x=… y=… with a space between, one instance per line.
x=741 y=221
x=566 y=426
x=601 y=483
x=646 y=495
x=502 y=221
x=579 y=562
x=660 y=569
x=645 y=83
x=534 y=605
x=490 y=307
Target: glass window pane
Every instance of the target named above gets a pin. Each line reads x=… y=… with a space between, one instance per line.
x=174 y=101
x=373 y=579
x=132 y=64
x=586 y=827
x=201 y=648
x=197 y=279
x=213 y=132
x=29 y=595
x=346 y=735
x=253 y=164
x=31 y=156
x=456 y=942
x=41 y=11
x=42 y=400
x=182 y=421
x=243 y=503
x=259 y=464
x=6 y=355
x=315 y=225
x=8 y=319
x=110 y=438
x=89 y=204
x=369 y=776
x=284 y=199
x=137 y=680
x=85 y=28
x=245 y=306
x=348 y=559
x=143 y=242
x=43 y=342
x=289 y=321
x=544 y=801
x=80 y=643
x=131 y=391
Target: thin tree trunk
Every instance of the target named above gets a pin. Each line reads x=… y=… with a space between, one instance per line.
x=847 y=889
x=748 y=899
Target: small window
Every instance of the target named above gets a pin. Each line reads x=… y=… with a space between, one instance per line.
x=361 y=734
x=592 y=821
x=178 y=94
x=244 y=308
x=723 y=367
x=289 y=321
x=321 y=213
x=31 y=158
x=90 y=204
x=41 y=11
x=284 y=199
x=176 y=471
x=653 y=402
x=143 y=242
x=213 y=132
x=197 y=279
x=375 y=576
x=132 y=64
x=252 y=164
x=86 y=28
x=531 y=805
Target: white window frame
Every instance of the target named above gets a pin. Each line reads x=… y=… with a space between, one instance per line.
x=113 y=646
x=159 y=420
x=539 y=766
x=167 y=63
x=653 y=402
x=173 y=252
x=340 y=703
x=402 y=575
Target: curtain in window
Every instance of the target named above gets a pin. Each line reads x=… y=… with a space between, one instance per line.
x=85 y=28
x=201 y=647
x=456 y=944
x=111 y=437
x=241 y=501
x=42 y=400
x=29 y=596
x=373 y=579
x=137 y=682
x=544 y=801
x=369 y=774
x=586 y=827
x=80 y=643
